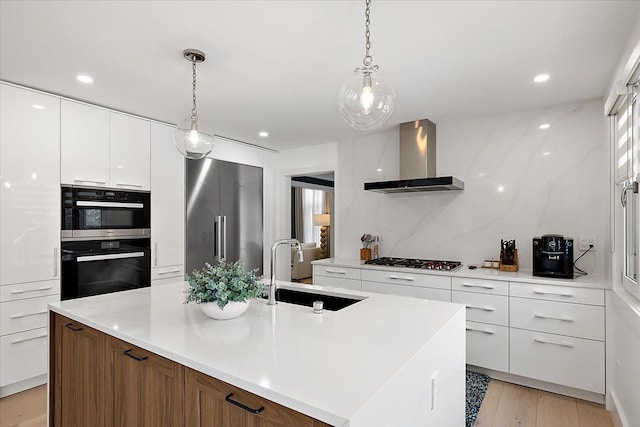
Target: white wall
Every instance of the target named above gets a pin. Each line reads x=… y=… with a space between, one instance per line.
x=564 y=192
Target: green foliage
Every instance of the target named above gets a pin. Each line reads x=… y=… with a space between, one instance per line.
x=223 y=283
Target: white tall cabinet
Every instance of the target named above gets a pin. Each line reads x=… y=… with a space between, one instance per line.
x=129 y=152
x=29 y=232
x=167 y=205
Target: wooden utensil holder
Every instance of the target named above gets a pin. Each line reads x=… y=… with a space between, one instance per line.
x=510 y=267
x=365 y=254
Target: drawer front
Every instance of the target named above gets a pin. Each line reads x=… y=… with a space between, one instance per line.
x=341 y=272
x=166 y=272
x=407 y=278
x=576 y=320
x=29 y=290
x=488 y=346
x=484 y=308
x=573 y=362
x=22 y=315
x=557 y=293
x=23 y=356
x=483 y=286
x=407 y=291
x=337 y=282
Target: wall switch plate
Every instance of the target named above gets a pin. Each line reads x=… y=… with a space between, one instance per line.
x=585 y=241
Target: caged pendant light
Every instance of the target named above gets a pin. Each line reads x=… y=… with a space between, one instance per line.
x=194 y=139
x=366 y=101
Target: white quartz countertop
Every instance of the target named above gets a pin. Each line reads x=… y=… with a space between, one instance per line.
x=324 y=365
x=588 y=281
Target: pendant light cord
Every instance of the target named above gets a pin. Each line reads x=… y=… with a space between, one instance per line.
x=367 y=58
x=194 y=112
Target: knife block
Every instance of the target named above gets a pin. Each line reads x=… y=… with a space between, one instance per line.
x=510 y=267
x=365 y=254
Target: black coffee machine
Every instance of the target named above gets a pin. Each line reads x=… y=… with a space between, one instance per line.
x=553 y=256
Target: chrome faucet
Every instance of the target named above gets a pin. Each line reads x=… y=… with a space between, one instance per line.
x=272 y=285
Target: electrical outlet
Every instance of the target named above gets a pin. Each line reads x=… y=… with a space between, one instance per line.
x=586 y=241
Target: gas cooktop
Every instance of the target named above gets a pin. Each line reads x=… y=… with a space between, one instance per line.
x=426 y=264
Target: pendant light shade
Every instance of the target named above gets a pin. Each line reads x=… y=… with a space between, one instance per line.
x=194 y=139
x=366 y=100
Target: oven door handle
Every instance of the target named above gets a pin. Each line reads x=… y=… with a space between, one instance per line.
x=109 y=256
x=85 y=203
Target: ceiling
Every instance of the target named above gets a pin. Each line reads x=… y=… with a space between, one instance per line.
x=278 y=65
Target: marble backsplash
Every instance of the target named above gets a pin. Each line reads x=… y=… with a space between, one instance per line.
x=520 y=181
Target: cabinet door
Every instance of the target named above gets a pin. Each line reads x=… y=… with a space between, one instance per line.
x=130 y=152
x=78 y=386
x=214 y=403
x=167 y=198
x=30 y=190
x=85 y=144
x=147 y=389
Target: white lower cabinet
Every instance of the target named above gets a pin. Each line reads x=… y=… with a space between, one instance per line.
x=407 y=291
x=24 y=314
x=171 y=271
x=23 y=355
x=337 y=282
x=558 y=359
x=488 y=346
x=484 y=308
x=337 y=277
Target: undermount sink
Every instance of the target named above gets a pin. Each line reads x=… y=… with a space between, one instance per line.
x=331 y=302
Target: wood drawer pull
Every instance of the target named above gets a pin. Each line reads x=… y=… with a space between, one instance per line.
x=28 y=339
x=563 y=344
x=561 y=294
x=408 y=279
x=22 y=291
x=70 y=326
x=564 y=319
x=484 y=331
x=133 y=356
x=240 y=405
x=481 y=308
x=334 y=272
x=471 y=285
x=18 y=316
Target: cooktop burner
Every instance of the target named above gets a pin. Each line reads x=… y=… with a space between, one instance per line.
x=427 y=264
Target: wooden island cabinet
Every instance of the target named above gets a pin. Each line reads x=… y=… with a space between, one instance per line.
x=99 y=380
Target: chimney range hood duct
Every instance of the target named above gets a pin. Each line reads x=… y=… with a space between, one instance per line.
x=417 y=163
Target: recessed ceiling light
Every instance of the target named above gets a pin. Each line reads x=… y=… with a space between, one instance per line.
x=544 y=126
x=501 y=189
x=38 y=107
x=84 y=78
x=379 y=170
x=264 y=134
x=546 y=153
x=541 y=78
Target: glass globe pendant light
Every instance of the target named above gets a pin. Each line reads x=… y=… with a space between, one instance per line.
x=193 y=138
x=366 y=101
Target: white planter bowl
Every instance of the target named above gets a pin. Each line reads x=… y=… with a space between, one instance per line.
x=231 y=310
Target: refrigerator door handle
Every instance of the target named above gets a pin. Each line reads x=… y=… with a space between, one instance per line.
x=217 y=241
x=224 y=238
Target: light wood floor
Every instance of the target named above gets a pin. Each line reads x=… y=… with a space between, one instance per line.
x=504 y=404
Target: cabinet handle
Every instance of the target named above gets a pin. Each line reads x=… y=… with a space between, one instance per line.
x=484 y=331
x=155 y=254
x=22 y=291
x=471 y=285
x=336 y=271
x=564 y=319
x=29 y=339
x=18 y=316
x=122 y=184
x=240 y=405
x=55 y=262
x=70 y=326
x=408 y=279
x=133 y=356
x=88 y=180
x=563 y=344
x=177 y=270
x=481 y=308
x=562 y=294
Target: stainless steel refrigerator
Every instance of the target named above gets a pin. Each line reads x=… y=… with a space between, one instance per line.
x=224 y=214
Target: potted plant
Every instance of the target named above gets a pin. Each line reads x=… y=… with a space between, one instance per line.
x=225 y=290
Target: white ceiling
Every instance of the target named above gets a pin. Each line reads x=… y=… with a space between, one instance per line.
x=279 y=65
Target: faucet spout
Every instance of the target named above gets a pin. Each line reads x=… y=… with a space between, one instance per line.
x=272 y=284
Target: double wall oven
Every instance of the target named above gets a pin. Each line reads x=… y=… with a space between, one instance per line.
x=106 y=241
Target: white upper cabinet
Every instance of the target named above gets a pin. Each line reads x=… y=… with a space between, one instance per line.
x=130 y=157
x=85 y=144
x=30 y=189
x=167 y=199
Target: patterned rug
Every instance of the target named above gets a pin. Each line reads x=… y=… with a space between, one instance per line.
x=476 y=389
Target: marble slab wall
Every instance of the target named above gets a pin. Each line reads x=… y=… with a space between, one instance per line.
x=520 y=181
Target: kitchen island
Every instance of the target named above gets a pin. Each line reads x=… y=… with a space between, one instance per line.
x=384 y=361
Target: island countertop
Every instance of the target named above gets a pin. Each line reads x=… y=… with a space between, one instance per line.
x=327 y=366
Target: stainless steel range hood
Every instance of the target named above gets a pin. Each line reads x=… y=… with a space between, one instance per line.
x=417 y=163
